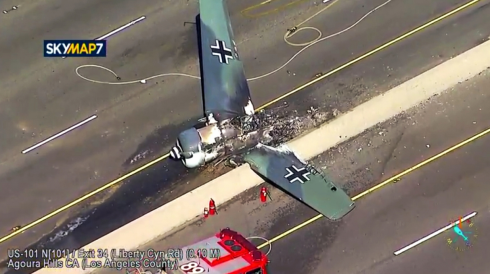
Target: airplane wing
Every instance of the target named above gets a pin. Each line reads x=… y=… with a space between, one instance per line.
x=223 y=81
x=299 y=179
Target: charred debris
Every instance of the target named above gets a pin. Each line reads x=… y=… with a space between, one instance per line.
x=274 y=127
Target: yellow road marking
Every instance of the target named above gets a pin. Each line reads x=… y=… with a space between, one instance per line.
x=245 y=12
x=84 y=197
x=364 y=56
x=120 y=179
x=382 y=184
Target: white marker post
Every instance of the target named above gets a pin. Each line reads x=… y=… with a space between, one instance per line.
x=59 y=134
x=435 y=233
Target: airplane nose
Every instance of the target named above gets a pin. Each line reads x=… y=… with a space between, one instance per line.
x=175 y=153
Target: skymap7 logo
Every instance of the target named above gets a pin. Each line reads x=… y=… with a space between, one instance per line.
x=75 y=48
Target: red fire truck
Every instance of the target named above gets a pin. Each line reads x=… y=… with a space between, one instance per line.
x=237 y=255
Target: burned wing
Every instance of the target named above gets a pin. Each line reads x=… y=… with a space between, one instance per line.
x=225 y=89
x=283 y=168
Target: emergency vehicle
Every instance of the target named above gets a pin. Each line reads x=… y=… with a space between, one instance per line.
x=237 y=256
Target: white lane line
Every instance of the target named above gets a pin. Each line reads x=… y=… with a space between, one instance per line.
x=59 y=134
x=433 y=234
x=121 y=28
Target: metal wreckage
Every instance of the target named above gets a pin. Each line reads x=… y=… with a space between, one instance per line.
x=233 y=130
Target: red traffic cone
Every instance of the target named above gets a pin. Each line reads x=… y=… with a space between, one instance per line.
x=206 y=212
x=263 y=194
x=212 y=207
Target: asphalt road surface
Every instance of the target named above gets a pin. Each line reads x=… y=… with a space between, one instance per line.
x=392 y=217
x=137 y=123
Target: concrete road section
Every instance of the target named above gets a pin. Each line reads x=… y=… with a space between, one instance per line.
x=392 y=217
x=136 y=123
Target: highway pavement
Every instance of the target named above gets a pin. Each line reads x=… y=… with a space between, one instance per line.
x=389 y=218
x=137 y=123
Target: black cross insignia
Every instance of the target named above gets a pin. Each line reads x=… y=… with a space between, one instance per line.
x=297 y=174
x=221 y=51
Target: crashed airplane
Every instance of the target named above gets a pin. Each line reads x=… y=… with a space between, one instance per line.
x=232 y=126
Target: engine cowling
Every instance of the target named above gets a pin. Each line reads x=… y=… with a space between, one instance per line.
x=188 y=149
